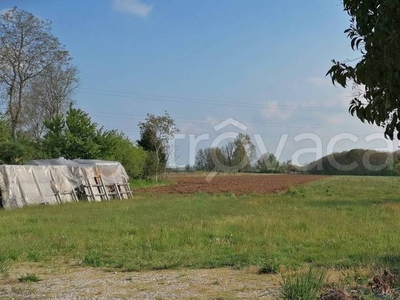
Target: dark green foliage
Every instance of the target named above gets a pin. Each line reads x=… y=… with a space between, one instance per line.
x=148 y=141
x=120 y=148
x=76 y=136
x=374 y=32
x=244 y=153
x=155 y=134
x=14 y=152
x=150 y=167
x=356 y=162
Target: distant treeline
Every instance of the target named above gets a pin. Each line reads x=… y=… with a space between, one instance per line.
x=356 y=162
x=239 y=156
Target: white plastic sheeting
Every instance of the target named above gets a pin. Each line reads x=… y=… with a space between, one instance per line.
x=54 y=181
x=111 y=171
x=30 y=185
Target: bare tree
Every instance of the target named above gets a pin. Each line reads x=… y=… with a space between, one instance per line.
x=49 y=96
x=27 y=49
x=228 y=152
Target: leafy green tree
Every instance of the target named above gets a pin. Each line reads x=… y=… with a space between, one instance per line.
x=156 y=132
x=74 y=136
x=14 y=152
x=244 y=152
x=151 y=166
x=83 y=138
x=267 y=163
x=374 y=32
x=54 y=141
x=118 y=147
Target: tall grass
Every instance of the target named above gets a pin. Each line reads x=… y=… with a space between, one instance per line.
x=336 y=222
x=302 y=286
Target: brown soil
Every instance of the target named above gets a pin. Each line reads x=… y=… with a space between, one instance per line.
x=232 y=184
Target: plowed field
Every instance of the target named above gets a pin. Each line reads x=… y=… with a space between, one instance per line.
x=232 y=184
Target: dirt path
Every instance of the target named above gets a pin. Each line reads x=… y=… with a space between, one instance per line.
x=69 y=282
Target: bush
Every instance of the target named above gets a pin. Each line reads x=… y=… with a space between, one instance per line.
x=116 y=146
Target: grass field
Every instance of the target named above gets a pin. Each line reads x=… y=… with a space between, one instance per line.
x=339 y=222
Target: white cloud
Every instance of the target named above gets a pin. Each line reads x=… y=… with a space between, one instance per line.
x=272 y=111
x=134 y=7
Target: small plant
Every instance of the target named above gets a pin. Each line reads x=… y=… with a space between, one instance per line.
x=93 y=259
x=35 y=256
x=303 y=286
x=295 y=192
x=268 y=266
x=29 y=277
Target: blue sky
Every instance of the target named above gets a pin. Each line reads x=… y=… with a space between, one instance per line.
x=259 y=62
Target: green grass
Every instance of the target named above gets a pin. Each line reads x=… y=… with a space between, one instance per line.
x=144 y=183
x=339 y=222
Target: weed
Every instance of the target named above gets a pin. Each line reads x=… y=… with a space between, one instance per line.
x=35 y=256
x=293 y=191
x=302 y=286
x=268 y=266
x=29 y=277
x=93 y=259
